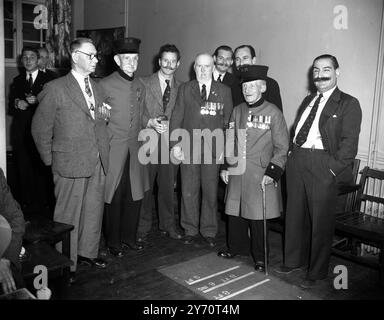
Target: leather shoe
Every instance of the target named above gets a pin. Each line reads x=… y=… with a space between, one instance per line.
x=115 y=252
x=286 y=270
x=260 y=266
x=226 y=254
x=97 y=262
x=189 y=239
x=211 y=241
x=133 y=246
x=171 y=234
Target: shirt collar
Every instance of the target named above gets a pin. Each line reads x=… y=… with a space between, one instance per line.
x=162 y=78
x=217 y=73
x=327 y=94
x=78 y=76
x=34 y=74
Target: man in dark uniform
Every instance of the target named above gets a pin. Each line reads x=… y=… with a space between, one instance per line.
x=223 y=59
x=262 y=143
x=322 y=150
x=201 y=104
x=127 y=178
x=246 y=55
x=35 y=181
x=160 y=97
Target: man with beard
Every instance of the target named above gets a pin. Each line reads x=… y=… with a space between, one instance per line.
x=201 y=104
x=127 y=178
x=160 y=97
x=70 y=132
x=246 y=55
x=223 y=59
x=322 y=150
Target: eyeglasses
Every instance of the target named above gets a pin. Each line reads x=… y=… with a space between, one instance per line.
x=90 y=56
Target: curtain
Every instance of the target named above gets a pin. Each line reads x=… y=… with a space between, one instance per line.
x=59 y=32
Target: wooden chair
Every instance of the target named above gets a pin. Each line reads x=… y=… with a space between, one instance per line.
x=363 y=222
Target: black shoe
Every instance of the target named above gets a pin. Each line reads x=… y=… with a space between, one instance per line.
x=260 y=266
x=141 y=238
x=97 y=262
x=132 y=246
x=226 y=254
x=211 y=241
x=189 y=240
x=286 y=270
x=171 y=234
x=116 y=252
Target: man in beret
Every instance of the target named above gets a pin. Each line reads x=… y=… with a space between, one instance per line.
x=127 y=178
x=262 y=142
x=70 y=132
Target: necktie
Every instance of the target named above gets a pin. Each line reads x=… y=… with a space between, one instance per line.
x=89 y=93
x=166 y=95
x=219 y=78
x=304 y=130
x=30 y=82
x=204 y=92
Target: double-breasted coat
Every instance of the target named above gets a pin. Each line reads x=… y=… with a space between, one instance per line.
x=126 y=99
x=262 y=144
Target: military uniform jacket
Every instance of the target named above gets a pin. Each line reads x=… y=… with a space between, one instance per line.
x=262 y=146
x=65 y=133
x=127 y=101
x=187 y=112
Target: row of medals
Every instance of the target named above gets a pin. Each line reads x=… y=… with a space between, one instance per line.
x=259 y=121
x=211 y=108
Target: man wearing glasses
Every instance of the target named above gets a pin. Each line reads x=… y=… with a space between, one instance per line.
x=69 y=129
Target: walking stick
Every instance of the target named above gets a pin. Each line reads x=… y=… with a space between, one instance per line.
x=265 y=232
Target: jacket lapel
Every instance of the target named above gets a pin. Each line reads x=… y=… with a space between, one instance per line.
x=307 y=100
x=196 y=92
x=76 y=94
x=330 y=107
x=156 y=89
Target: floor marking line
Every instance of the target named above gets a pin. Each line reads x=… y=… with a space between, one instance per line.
x=228 y=282
x=211 y=276
x=245 y=289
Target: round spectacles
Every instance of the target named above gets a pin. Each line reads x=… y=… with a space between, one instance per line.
x=90 y=56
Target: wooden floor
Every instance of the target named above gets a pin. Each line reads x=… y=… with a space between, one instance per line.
x=135 y=276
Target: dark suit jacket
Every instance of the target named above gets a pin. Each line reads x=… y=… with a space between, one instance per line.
x=11 y=211
x=187 y=115
x=339 y=126
x=66 y=135
x=154 y=98
x=272 y=94
x=21 y=126
x=231 y=81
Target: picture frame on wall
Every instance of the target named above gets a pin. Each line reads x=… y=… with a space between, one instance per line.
x=103 y=40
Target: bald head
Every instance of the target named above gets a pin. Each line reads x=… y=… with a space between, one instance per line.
x=203 y=67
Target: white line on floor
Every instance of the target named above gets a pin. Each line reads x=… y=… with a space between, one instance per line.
x=245 y=289
x=211 y=276
x=228 y=282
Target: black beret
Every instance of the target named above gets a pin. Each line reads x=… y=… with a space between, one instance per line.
x=253 y=72
x=127 y=45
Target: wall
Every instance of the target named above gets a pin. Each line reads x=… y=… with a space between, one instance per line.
x=2 y=96
x=100 y=14
x=287 y=35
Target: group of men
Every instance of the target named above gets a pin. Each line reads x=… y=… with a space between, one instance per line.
x=90 y=133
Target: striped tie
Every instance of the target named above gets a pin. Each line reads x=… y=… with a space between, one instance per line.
x=89 y=93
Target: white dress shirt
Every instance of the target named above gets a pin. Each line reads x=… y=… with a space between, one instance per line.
x=163 y=84
x=90 y=100
x=34 y=75
x=216 y=75
x=314 y=136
